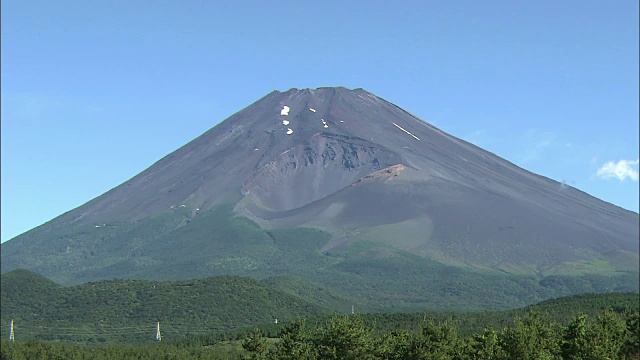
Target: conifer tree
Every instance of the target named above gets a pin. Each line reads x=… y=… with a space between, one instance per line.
x=295 y=343
x=345 y=338
x=255 y=345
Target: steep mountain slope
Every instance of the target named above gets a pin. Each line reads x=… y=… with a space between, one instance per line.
x=395 y=200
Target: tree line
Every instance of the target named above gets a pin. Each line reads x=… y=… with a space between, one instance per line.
x=607 y=335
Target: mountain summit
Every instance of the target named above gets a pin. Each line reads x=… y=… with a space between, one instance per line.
x=344 y=189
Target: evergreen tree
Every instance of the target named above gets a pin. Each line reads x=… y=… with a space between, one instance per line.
x=631 y=347
x=532 y=338
x=606 y=335
x=345 y=338
x=575 y=343
x=487 y=346
x=395 y=345
x=295 y=343
x=255 y=345
x=435 y=342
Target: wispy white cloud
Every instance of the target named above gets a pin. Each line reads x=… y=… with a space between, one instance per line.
x=620 y=170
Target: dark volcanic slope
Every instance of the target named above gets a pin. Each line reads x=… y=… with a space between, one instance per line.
x=378 y=179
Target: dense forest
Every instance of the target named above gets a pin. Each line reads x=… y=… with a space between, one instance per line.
x=128 y=310
x=607 y=335
x=233 y=318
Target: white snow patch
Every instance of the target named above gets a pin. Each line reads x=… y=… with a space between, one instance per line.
x=285 y=110
x=289 y=131
x=285 y=122
x=400 y=127
x=314 y=110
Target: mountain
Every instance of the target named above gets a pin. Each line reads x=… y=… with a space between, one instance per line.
x=346 y=191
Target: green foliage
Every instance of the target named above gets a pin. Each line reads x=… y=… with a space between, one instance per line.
x=295 y=343
x=487 y=346
x=435 y=342
x=127 y=310
x=255 y=345
x=575 y=340
x=180 y=245
x=395 y=345
x=609 y=335
x=631 y=345
x=534 y=337
x=345 y=338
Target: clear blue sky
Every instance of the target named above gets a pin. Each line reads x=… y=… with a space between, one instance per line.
x=94 y=92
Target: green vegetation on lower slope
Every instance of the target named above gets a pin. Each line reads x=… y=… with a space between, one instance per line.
x=311 y=292
x=178 y=246
x=560 y=309
x=127 y=310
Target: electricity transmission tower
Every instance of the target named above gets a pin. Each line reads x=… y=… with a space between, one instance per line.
x=12 y=336
x=158 y=335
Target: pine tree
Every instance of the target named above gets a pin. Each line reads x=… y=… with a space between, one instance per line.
x=395 y=345
x=295 y=343
x=575 y=344
x=534 y=337
x=255 y=345
x=435 y=342
x=345 y=338
x=631 y=347
x=487 y=346
x=607 y=335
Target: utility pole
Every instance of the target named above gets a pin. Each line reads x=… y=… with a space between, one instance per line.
x=12 y=336
x=158 y=335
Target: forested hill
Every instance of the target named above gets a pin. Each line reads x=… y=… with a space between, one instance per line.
x=129 y=309
x=561 y=310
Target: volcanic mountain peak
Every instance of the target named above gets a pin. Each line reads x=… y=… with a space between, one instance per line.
x=381 y=183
